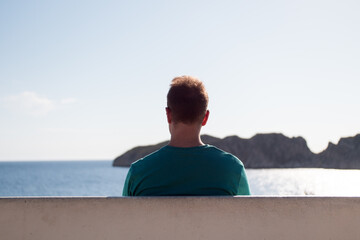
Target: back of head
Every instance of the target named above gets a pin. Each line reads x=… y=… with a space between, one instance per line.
x=187 y=100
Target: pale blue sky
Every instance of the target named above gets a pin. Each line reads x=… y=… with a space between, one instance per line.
x=88 y=79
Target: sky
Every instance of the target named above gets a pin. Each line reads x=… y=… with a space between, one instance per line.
x=84 y=80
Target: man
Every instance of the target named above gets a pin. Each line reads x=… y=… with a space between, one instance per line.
x=186 y=166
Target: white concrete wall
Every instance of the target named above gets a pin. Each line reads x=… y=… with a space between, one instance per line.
x=221 y=218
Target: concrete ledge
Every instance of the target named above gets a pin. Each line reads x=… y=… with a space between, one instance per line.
x=180 y=218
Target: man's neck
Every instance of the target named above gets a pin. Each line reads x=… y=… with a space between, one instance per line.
x=183 y=135
x=185 y=144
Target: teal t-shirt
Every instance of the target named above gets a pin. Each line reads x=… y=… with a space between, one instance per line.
x=172 y=171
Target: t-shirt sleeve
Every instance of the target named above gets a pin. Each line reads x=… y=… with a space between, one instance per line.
x=244 y=188
x=127 y=185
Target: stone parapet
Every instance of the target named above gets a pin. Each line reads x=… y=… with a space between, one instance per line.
x=257 y=218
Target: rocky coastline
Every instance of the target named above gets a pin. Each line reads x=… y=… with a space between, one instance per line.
x=273 y=150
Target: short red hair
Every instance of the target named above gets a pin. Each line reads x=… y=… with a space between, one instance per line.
x=187 y=100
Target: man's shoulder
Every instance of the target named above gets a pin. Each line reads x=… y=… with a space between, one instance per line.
x=148 y=159
x=223 y=155
x=216 y=150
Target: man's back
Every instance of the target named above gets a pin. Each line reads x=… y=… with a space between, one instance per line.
x=172 y=171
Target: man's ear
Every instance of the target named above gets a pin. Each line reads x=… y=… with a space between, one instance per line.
x=205 y=118
x=168 y=114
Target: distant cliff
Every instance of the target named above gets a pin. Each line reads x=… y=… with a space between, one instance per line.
x=271 y=151
x=346 y=154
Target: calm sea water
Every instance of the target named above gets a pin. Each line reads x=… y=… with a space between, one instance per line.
x=99 y=178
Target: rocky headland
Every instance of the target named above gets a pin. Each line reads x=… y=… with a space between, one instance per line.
x=272 y=150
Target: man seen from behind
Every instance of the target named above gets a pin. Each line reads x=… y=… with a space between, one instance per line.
x=187 y=166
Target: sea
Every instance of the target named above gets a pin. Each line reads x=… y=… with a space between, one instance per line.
x=100 y=178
